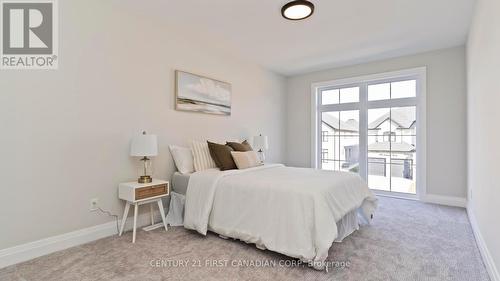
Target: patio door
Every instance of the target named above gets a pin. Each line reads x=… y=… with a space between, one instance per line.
x=373 y=127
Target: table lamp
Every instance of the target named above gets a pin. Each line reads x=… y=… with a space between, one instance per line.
x=144 y=146
x=260 y=143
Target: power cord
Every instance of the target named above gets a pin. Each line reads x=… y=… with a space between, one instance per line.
x=110 y=215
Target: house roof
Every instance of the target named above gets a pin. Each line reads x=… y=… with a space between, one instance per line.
x=391 y=146
x=351 y=125
x=404 y=117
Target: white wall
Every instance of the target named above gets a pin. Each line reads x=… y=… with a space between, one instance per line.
x=483 y=135
x=65 y=134
x=446 y=114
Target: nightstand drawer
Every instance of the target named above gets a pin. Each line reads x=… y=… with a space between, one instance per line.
x=150 y=191
x=134 y=191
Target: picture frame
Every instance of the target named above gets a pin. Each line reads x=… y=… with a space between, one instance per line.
x=199 y=93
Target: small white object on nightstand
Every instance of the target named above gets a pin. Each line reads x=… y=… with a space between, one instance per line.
x=136 y=194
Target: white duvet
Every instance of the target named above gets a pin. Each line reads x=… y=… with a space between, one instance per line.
x=288 y=210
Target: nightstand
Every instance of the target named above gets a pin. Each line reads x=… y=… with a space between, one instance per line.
x=137 y=194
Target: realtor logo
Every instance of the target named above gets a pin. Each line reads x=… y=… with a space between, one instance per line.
x=29 y=34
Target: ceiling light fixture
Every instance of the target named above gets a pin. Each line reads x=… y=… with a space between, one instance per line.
x=297 y=10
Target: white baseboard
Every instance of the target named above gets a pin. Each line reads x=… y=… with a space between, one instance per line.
x=483 y=249
x=446 y=200
x=31 y=250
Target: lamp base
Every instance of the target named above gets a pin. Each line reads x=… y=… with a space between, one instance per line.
x=145 y=179
x=262 y=156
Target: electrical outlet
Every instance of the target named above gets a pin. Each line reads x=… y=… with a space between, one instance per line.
x=94 y=203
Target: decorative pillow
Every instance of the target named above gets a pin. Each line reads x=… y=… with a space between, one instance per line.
x=183 y=159
x=247 y=159
x=222 y=156
x=244 y=146
x=201 y=156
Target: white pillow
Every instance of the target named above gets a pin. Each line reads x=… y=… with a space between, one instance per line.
x=201 y=156
x=183 y=159
x=247 y=159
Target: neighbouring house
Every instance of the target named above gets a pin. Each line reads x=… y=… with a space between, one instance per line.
x=391 y=144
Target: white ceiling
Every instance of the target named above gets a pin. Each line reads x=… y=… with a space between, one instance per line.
x=339 y=33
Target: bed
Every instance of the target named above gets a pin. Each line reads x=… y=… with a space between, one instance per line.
x=298 y=212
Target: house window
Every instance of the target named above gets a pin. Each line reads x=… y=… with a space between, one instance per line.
x=369 y=125
x=324 y=155
x=389 y=136
x=324 y=136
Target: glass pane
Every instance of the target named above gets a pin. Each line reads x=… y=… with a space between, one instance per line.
x=404 y=89
x=403 y=176
x=349 y=95
x=330 y=97
x=379 y=92
x=378 y=122
x=340 y=140
x=392 y=149
x=330 y=130
x=404 y=121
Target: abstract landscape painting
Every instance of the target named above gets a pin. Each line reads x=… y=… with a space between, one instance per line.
x=202 y=94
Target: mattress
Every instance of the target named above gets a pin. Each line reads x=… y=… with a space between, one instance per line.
x=180 y=183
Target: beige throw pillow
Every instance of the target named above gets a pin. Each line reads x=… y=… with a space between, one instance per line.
x=201 y=156
x=247 y=159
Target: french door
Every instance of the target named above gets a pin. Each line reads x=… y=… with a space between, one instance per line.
x=375 y=126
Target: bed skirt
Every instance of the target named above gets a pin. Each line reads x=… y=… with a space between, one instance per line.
x=175 y=216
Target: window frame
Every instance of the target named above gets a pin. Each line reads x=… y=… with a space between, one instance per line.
x=419 y=74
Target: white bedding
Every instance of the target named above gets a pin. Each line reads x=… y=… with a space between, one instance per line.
x=288 y=210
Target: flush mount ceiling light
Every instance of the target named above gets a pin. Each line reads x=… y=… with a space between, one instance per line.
x=297 y=10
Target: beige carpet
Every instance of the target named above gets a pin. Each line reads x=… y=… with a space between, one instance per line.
x=408 y=241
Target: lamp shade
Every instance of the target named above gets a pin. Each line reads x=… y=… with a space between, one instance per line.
x=260 y=142
x=144 y=145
